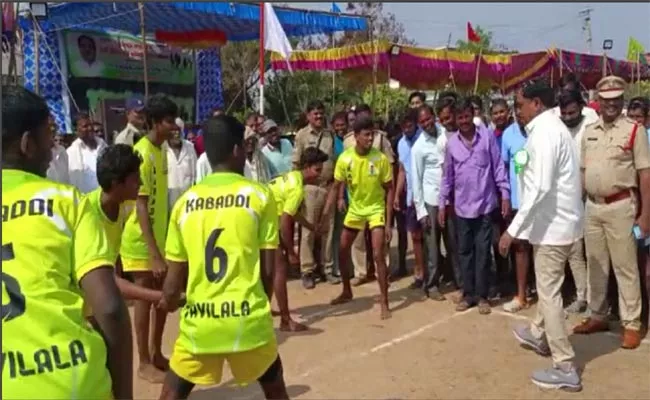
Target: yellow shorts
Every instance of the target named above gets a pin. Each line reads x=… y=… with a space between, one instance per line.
x=352 y=221
x=206 y=369
x=135 y=265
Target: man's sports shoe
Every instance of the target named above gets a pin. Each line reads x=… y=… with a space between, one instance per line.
x=526 y=338
x=558 y=378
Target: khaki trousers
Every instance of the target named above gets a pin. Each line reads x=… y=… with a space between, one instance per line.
x=549 y=319
x=315 y=198
x=578 y=266
x=608 y=235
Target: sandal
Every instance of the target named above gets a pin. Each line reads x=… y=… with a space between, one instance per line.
x=463 y=305
x=514 y=306
x=484 y=307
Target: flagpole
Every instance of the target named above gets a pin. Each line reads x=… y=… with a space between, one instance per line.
x=262 y=66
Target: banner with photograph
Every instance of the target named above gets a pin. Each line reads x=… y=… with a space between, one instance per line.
x=119 y=56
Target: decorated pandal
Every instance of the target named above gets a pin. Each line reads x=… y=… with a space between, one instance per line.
x=421 y=68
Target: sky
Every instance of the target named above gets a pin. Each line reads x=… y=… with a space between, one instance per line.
x=524 y=27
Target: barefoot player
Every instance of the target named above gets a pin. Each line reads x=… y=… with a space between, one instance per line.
x=368 y=175
x=224 y=233
x=289 y=192
x=144 y=233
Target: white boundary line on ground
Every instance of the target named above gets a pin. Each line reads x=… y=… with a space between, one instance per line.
x=384 y=345
x=520 y=317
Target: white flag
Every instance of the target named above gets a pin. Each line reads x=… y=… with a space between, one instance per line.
x=274 y=37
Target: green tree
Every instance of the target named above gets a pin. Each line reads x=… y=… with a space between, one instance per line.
x=387 y=101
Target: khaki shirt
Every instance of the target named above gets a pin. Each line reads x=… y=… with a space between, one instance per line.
x=308 y=137
x=609 y=160
x=379 y=142
x=128 y=135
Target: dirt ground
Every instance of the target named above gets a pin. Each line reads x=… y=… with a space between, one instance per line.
x=426 y=351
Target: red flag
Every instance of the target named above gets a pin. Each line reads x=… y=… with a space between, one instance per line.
x=472 y=36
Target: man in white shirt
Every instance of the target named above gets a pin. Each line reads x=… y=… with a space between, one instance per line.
x=135 y=122
x=82 y=155
x=58 y=169
x=427 y=157
x=570 y=82
x=550 y=218
x=571 y=112
x=181 y=164
x=203 y=167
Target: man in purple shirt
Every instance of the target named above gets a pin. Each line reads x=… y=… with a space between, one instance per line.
x=473 y=177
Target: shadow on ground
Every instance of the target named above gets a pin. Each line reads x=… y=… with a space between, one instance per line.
x=315 y=313
x=230 y=391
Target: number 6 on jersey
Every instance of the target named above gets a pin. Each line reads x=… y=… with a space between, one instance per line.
x=218 y=253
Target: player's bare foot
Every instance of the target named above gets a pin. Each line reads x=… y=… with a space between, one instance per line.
x=150 y=373
x=292 y=326
x=385 y=313
x=161 y=362
x=341 y=299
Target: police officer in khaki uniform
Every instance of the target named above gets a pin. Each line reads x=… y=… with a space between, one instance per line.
x=316 y=135
x=360 y=258
x=615 y=164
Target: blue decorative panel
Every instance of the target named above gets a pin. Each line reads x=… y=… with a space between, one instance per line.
x=209 y=90
x=50 y=79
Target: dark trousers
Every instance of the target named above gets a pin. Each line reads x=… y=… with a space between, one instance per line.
x=474 y=242
x=433 y=256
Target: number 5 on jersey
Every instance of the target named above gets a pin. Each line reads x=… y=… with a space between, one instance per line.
x=16 y=305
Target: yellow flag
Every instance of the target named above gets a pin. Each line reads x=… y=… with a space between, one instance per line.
x=635 y=50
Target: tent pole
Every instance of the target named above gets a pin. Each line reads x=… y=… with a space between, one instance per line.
x=145 y=72
x=374 y=63
x=478 y=69
x=262 y=66
x=37 y=54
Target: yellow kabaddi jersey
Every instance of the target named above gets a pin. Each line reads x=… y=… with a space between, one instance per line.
x=364 y=177
x=288 y=191
x=50 y=240
x=113 y=229
x=153 y=176
x=219 y=227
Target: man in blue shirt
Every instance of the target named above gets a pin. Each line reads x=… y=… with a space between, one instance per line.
x=410 y=133
x=513 y=140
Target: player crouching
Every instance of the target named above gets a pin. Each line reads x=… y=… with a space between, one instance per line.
x=289 y=192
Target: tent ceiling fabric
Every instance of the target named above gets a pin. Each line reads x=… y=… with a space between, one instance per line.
x=240 y=21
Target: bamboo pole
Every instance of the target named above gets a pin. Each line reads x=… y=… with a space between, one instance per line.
x=145 y=65
x=638 y=73
x=561 y=64
x=374 y=64
x=604 y=64
x=478 y=69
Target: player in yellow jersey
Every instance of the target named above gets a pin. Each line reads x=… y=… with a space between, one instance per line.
x=143 y=239
x=54 y=251
x=223 y=232
x=118 y=175
x=368 y=175
x=289 y=192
